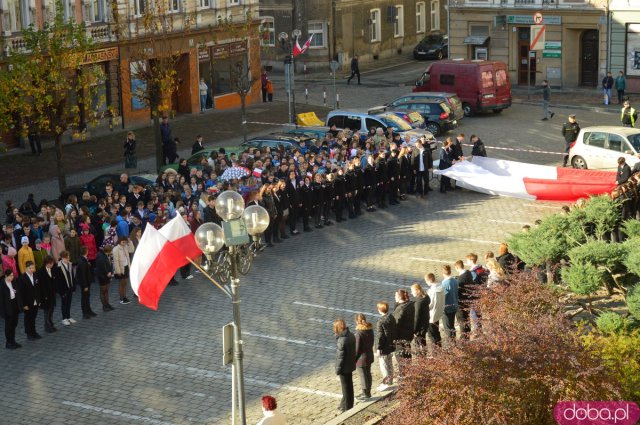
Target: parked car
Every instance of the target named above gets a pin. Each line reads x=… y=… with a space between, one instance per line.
x=437 y=115
x=362 y=121
x=481 y=85
x=598 y=148
x=451 y=99
x=414 y=119
x=433 y=46
x=315 y=132
x=96 y=185
x=193 y=161
x=273 y=141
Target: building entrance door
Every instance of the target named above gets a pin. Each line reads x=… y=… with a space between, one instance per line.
x=523 y=58
x=589 y=58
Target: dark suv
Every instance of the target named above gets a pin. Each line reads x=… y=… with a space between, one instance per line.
x=273 y=141
x=437 y=115
x=450 y=99
x=433 y=46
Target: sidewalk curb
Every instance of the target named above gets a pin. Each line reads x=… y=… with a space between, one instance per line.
x=359 y=408
x=564 y=106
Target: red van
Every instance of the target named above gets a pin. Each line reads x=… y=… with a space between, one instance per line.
x=481 y=85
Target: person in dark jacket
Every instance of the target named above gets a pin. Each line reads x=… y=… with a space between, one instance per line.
x=570 y=131
x=355 y=69
x=364 y=354
x=384 y=344
x=197 y=145
x=210 y=214
x=421 y=163
x=9 y=309
x=317 y=199
x=339 y=193
x=465 y=288
x=345 y=361
x=505 y=258
x=381 y=180
x=370 y=184
x=282 y=200
x=84 y=276
x=130 y=159
x=327 y=199
x=404 y=313
x=29 y=295
x=47 y=279
x=478 y=148
x=405 y=172
x=624 y=171
x=104 y=272
x=421 y=317
x=306 y=199
x=293 y=192
x=350 y=184
x=445 y=162
x=393 y=173
x=357 y=195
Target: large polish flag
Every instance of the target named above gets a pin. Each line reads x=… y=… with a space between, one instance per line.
x=159 y=255
x=529 y=181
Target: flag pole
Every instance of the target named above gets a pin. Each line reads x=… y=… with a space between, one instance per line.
x=204 y=272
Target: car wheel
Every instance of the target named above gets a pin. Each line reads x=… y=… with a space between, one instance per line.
x=433 y=128
x=498 y=111
x=439 y=54
x=579 y=163
x=468 y=110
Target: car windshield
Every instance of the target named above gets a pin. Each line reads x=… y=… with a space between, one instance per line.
x=635 y=141
x=395 y=122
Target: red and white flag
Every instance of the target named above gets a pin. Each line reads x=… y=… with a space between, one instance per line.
x=297 y=50
x=159 y=255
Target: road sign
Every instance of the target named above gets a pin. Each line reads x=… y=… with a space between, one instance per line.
x=537 y=18
x=227 y=344
x=537 y=37
x=335 y=65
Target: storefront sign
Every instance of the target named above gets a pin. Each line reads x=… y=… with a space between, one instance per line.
x=237 y=47
x=553 y=45
x=220 y=51
x=552 y=53
x=203 y=55
x=528 y=20
x=101 y=55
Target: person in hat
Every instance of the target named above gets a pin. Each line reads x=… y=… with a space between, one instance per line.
x=25 y=254
x=570 y=131
x=39 y=254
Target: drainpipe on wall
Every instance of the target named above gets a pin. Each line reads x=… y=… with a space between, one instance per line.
x=609 y=16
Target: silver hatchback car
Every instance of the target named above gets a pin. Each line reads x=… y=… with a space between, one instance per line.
x=598 y=148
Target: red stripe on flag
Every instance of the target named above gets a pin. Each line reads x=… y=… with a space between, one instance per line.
x=571 y=185
x=155 y=280
x=187 y=247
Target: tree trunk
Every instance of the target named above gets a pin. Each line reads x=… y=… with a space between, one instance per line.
x=62 y=178
x=550 y=279
x=158 y=140
x=243 y=104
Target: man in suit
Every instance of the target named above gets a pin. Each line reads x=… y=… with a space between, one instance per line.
x=30 y=299
x=393 y=171
x=48 y=289
x=197 y=145
x=9 y=309
x=84 y=277
x=66 y=285
x=422 y=163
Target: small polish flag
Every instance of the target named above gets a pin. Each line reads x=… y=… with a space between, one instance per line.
x=159 y=255
x=257 y=172
x=297 y=50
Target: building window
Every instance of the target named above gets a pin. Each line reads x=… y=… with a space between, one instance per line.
x=420 y=17
x=317 y=29
x=234 y=2
x=139 y=7
x=267 y=32
x=174 y=6
x=374 y=25
x=435 y=15
x=12 y=16
x=95 y=11
x=205 y=4
x=398 y=24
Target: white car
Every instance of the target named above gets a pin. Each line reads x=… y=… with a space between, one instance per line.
x=598 y=148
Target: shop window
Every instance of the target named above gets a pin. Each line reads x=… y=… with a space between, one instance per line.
x=317 y=29
x=138 y=85
x=447 y=79
x=99 y=95
x=267 y=32
x=224 y=73
x=421 y=22
x=398 y=23
x=374 y=25
x=435 y=15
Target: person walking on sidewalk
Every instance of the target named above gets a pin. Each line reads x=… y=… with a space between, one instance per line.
x=264 y=79
x=204 y=89
x=355 y=69
x=607 y=85
x=621 y=85
x=130 y=158
x=546 y=97
x=570 y=131
x=628 y=115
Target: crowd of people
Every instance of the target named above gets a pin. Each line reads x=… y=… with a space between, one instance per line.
x=415 y=318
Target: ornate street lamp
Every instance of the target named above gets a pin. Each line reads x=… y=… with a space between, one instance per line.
x=239 y=223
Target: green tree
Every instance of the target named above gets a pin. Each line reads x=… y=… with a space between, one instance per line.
x=602 y=214
x=49 y=85
x=607 y=257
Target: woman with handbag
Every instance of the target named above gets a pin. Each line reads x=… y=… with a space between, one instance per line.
x=130 y=159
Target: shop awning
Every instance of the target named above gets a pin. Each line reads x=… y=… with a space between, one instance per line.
x=477 y=40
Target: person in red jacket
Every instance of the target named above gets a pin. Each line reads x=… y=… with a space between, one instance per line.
x=88 y=240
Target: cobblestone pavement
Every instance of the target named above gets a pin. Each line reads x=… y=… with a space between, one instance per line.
x=137 y=366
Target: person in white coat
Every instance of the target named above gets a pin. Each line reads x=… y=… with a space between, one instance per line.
x=121 y=265
x=436 y=307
